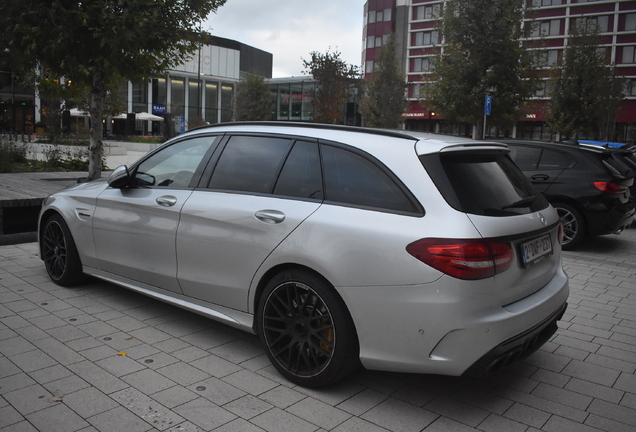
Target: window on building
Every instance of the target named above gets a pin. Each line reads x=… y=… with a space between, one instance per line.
x=371 y=17
x=379 y=16
x=368 y=68
x=426 y=12
x=630 y=22
x=140 y=97
x=546 y=28
x=424 y=64
x=387 y=14
x=371 y=42
x=426 y=38
x=177 y=95
x=600 y=22
x=542 y=89
x=630 y=88
x=211 y=102
x=628 y=54
x=378 y=41
x=548 y=58
x=538 y=3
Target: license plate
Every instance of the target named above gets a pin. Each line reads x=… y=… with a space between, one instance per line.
x=535 y=250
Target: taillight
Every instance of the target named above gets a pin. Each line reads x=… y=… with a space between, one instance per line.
x=610 y=187
x=560 y=233
x=463 y=259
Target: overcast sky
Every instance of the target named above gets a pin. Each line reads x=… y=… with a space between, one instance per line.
x=292 y=29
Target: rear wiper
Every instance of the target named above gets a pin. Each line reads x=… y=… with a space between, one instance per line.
x=525 y=202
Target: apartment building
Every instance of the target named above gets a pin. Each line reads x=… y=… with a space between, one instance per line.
x=416 y=22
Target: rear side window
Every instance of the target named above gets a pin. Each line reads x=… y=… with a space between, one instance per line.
x=553 y=160
x=301 y=175
x=250 y=164
x=526 y=158
x=487 y=184
x=353 y=179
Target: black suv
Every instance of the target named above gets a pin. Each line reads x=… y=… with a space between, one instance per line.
x=588 y=185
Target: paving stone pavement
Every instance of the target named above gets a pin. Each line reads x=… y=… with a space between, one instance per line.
x=100 y=358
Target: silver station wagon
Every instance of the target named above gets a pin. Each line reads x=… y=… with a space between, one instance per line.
x=338 y=246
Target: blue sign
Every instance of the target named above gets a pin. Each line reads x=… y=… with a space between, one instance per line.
x=487 y=104
x=158 y=109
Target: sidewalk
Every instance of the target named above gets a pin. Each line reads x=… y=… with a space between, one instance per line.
x=98 y=357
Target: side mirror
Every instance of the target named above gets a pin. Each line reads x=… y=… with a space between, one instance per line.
x=119 y=178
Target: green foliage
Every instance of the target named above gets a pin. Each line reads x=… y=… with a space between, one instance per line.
x=332 y=75
x=385 y=101
x=11 y=155
x=97 y=43
x=482 y=54
x=585 y=93
x=252 y=100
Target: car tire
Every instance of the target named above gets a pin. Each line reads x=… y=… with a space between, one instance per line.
x=573 y=225
x=307 y=331
x=59 y=253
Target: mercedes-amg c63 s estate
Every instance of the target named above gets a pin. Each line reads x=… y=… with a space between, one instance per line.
x=338 y=246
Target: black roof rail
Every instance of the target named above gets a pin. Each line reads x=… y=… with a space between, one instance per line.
x=384 y=132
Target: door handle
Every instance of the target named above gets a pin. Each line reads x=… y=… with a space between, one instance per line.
x=270 y=216
x=166 y=201
x=540 y=177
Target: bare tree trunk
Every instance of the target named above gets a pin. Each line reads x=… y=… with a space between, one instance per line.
x=98 y=98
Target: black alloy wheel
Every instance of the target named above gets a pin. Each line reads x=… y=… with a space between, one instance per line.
x=59 y=253
x=307 y=331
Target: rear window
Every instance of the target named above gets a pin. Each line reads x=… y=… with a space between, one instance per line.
x=487 y=184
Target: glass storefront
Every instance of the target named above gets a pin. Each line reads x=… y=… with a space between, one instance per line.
x=211 y=102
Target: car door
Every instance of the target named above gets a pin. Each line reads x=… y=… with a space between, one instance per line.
x=541 y=166
x=134 y=228
x=261 y=189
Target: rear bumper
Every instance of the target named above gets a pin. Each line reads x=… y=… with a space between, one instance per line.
x=518 y=347
x=613 y=220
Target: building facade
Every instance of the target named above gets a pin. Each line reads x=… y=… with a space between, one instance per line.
x=197 y=92
x=416 y=22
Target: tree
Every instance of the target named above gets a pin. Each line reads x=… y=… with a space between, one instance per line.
x=253 y=99
x=482 y=55
x=384 y=101
x=585 y=93
x=97 y=43
x=332 y=75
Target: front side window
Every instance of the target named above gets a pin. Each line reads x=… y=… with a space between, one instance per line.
x=173 y=166
x=354 y=180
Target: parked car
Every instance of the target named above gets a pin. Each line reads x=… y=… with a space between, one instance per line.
x=589 y=185
x=337 y=246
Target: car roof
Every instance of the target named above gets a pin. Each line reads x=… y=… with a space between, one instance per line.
x=566 y=146
x=361 y=137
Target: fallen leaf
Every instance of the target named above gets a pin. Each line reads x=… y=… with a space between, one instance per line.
x=122 y=353
x=129 y=338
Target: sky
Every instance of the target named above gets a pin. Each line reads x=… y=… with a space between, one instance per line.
x=292 y=29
